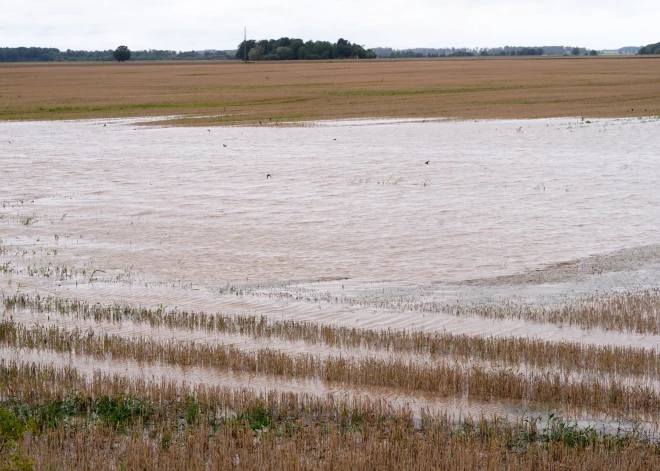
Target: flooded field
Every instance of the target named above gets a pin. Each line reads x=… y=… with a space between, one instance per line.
x=359 y=202
x=500 y=269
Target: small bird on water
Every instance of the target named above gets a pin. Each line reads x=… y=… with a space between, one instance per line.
x=224 y=145
x=268 y=175
x=427 y=162
x=208 y=130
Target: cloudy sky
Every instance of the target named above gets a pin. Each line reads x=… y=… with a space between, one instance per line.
x=206 y=24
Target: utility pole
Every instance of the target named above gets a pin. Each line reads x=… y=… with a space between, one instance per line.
x=245 y=44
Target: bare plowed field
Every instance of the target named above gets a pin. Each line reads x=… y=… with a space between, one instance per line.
x=267 y=92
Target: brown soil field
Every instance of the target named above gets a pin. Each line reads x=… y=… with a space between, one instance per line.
x=268 y=92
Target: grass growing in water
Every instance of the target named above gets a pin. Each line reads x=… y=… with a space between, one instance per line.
x=565 y=356
x=445 y=379
x=238 y=428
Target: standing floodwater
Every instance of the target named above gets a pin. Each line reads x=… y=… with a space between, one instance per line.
x=387 y=260
x=345 y=199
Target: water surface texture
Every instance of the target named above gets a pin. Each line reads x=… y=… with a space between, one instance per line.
x=379 y=225
x=353 y=200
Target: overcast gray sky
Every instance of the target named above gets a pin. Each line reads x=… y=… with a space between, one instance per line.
x=205 y=24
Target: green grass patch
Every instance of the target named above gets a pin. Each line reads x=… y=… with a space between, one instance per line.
x=59 y=110
x=257 y=416
x=118 y=412
x=260 y=87
x=508 y=102
x=113 y=411
x=422 y=91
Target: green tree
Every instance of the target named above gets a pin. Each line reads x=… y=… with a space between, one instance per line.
x=121 y=54
x=593 y=52
x=295 y=49
x=650 y=49
x=284 y=53
x=256 y=53
x=295 y=45
x=343 y=49
x=575 y=51
x=323 y=49
x=240 y=53
x=265 y=45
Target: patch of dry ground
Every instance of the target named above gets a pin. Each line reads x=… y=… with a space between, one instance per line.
x=267 y=92
x=625 y=260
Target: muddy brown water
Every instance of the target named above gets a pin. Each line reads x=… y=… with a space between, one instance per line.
x=247 y=343
x=345 y=200
x=186 y=218
x=338 y=314
x=418 y=403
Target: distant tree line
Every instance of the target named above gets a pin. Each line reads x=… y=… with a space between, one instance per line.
x=387 y=52
x=650 y=49
x=628 y=50
x=297 y=49
x=42 y=54
x=28 y=54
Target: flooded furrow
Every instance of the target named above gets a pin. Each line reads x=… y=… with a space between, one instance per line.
x=253 y=343
x=206 y=300
x=212 y=377
x=417 y=402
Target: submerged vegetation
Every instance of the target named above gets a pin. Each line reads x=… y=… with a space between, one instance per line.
x=373 y=397
x=138 y=424
x=347 y=415
x=565 y=356
x=130 y=340
x=443 y=378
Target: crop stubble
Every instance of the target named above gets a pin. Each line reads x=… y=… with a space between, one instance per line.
x=54 y=408
x=236 y=93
